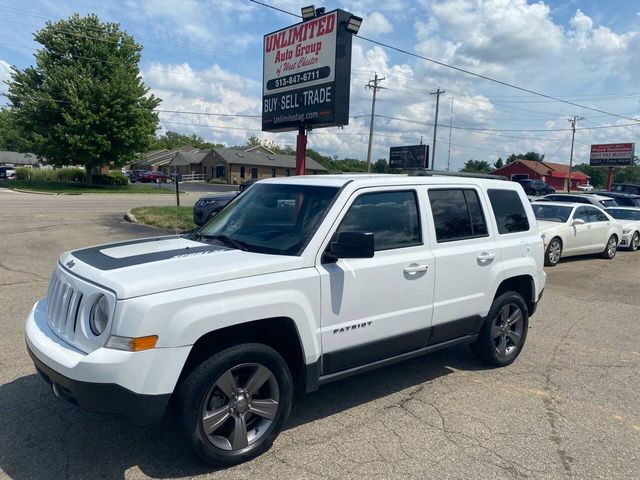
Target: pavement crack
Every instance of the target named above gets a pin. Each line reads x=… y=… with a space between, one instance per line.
x=15 y=270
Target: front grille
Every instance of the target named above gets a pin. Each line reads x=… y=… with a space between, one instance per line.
x=63 y=306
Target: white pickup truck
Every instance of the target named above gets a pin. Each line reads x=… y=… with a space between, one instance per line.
x=297 y=282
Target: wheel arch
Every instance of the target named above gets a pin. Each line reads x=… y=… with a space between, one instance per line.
x=522 y=284
x=279 y=333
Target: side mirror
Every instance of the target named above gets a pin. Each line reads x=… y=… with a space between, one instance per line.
x=577 y=221
x=353 y=245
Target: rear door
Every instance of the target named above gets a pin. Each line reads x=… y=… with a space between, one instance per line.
x=375 y=308
x=468 y=261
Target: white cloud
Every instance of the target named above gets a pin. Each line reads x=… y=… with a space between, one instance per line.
x=5 y=75
x=375 y=24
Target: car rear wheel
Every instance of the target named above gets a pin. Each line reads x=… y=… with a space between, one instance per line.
x=553 y=253
x=635 y=242
x=504 y=331
x=234 y=404
x=611 y=248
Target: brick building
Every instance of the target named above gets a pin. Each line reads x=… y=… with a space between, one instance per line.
x=554 y=174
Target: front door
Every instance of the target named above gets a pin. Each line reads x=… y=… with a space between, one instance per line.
x=579 y=238
x=376 y=308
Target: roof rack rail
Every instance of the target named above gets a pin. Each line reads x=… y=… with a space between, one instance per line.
x=431 y=173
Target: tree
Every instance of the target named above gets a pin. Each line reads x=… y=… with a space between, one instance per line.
x=535 y=156
x=498 y=163
x=380 y=166
x=12 y=138
x=628 y=174
x=172 y=140
x=84 y=102
x=476 y=166
x=598 y=174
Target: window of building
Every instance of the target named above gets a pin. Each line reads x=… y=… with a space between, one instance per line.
x=273 y=172
x=457 y=214
x=392 y=217
x=241 y=172
x=287 y=172
x=254 y=173
x=509 y=211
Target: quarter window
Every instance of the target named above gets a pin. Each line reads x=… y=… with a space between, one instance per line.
x=596 y=215
x=457 y=214
x=509 y=211
x=392 y=217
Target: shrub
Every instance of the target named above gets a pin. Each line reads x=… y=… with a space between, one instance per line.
x=112 y=178
x=119 y=178
x=50 y=174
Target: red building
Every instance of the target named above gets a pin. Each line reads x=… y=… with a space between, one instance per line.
x=554 y=174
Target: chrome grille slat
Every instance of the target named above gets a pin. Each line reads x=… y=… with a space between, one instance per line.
x=72 y=310
x=62 y=308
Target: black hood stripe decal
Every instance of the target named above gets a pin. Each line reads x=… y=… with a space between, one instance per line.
x=95 y=258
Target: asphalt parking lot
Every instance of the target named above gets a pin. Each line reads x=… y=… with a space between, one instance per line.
x=569 y=407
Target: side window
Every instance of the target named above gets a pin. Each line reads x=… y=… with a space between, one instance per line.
x=457 y=214
x=391 y=216
x=509 y=211
x=596 y=215
x=582 y=213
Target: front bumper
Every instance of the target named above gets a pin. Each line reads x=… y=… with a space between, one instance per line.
x=625 y=240
x=133 y=385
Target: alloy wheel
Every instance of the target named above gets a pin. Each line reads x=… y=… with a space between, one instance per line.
x=612 y=246
x=554 y=252
x=507 y=329
x=240 y=406
x=635 y=241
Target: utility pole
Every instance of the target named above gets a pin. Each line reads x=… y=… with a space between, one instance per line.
x=573 y=122
x=375 y=86
x=435 y=126
x=450 y=129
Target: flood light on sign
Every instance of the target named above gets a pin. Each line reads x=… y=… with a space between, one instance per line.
x=308 y=12
x=354 y=24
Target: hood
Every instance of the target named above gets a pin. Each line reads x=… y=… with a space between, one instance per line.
x=152 y=265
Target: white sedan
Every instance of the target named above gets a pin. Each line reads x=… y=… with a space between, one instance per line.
x=576 y=229
x=629 y=217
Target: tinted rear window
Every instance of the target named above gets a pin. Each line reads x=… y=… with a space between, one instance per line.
x=457 y=214
x=509 y=211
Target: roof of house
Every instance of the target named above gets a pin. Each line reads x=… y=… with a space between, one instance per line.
x=189 y=158
x=162 y=157
x=17 y=159
x=551 y=169
x=263 y=157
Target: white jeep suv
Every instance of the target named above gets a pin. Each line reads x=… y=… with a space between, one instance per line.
x=297 y=282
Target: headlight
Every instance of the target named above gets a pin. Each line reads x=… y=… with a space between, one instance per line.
x=626 y=231
x=204 y=203
x=99 y=316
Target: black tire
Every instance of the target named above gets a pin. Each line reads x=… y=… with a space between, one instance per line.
x=611 y=248
x=489 y=347
x=202 y=396
x=635 y=242
x=553 y=253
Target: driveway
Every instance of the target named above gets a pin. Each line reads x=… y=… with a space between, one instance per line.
x=567 y=408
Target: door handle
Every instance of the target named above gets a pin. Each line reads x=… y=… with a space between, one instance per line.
x=486 y=258
x=414 y=268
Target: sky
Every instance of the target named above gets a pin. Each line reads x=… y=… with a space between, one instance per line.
x=205 y=56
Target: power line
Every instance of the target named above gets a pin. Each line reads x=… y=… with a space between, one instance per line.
x=467 y=72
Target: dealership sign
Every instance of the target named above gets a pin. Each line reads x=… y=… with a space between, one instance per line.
x=612 y=155
x=306 y=74
x=409 y=157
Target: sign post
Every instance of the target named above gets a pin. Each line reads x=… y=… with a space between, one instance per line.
x=611 y=155
x=306 y=76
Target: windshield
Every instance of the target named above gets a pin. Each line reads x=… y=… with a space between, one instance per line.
x=271 y=218
x=620 y=214
x=552 y=213
x=609 y=203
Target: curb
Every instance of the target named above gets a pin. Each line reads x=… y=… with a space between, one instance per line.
x=130 y=217
x=32 y=191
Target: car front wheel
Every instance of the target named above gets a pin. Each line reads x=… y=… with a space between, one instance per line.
x=504 y=331
x=553 y=253
x=635 y=242
x=235 y=404
x=611 y=248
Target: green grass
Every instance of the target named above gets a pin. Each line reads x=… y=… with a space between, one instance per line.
x=169 y=218
x=78 y=188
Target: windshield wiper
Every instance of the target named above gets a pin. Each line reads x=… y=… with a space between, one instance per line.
x=226 y=240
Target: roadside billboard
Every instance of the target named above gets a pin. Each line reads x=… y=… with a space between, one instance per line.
x=306 y=74
x=612 y=155
x=409 y=157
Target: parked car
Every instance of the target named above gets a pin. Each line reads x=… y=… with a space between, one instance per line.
x=296 y=283
x=576 y=229
x=535 y=187
x=7 y=173
x=586 y=198
x=208 y=206
x=247 y=184
x=134 y=175
x=623 y=199
x=586 y=187
x=626 y=187
x=629 y=218
x=154 y=176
